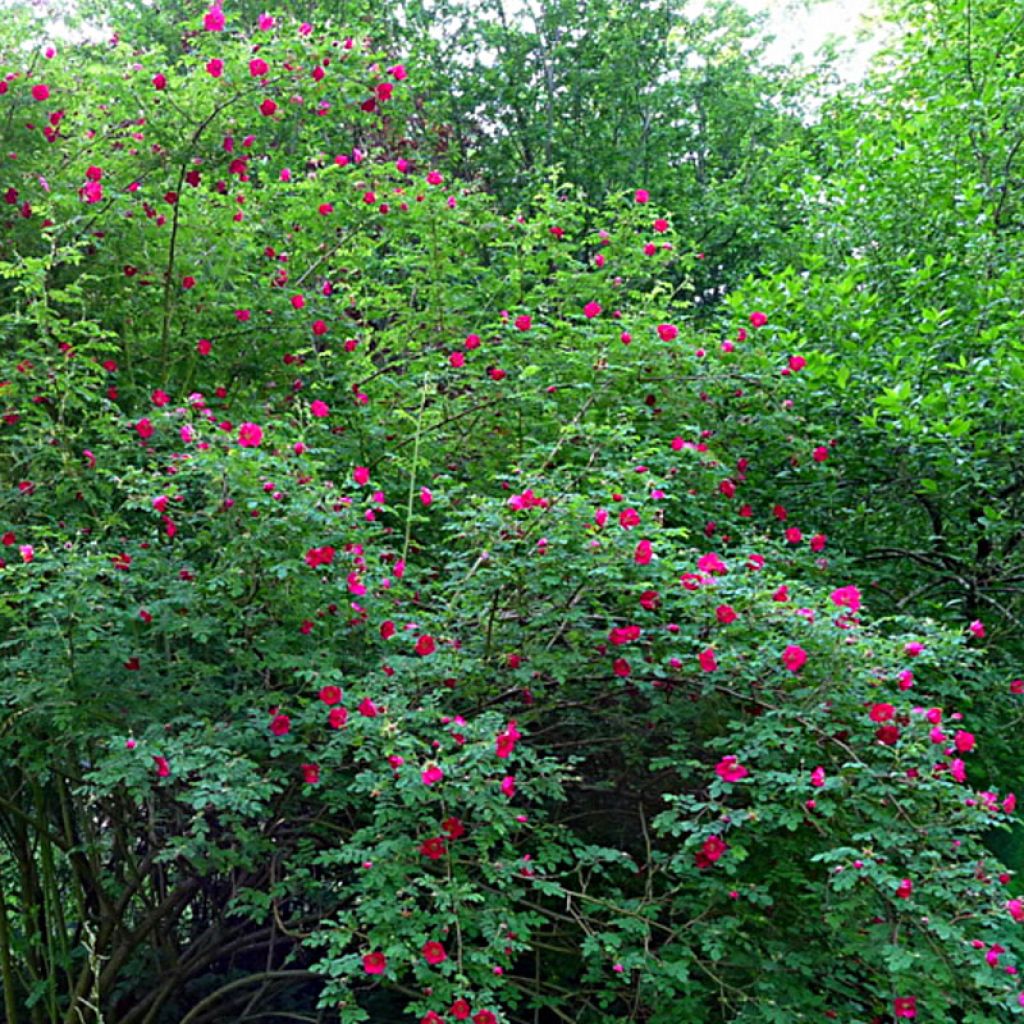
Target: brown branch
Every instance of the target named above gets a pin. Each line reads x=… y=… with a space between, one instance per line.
x=249 y=979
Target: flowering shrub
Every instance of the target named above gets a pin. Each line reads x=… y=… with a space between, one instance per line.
x=403 y=614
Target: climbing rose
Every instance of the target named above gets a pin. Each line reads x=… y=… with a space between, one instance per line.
x=311 y=773
x=425 y=645
x=881 y=712
x=619 y=635
x=505 y=742
x=758 y=319
x=725 y=614
x=375 y=963
x=433 y=849
x=431 y=774
x=434 y=953
x=794 y=658
x=214 y=20
x=163 y=769
x=846 y=597
x=319 y=409
x=711 y=563
x=280 y=725
x=964 y=741
x=888 y=735
x=708 y=662
x=454 y=828
x=711 y=850
x=368 y=709
x=250 y=435
x=730 y=770
x=320 y=556
x=668 y=332
x=818 y=777
x=330 y=694
x=905 y=1007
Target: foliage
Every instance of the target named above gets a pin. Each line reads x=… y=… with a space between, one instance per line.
x=413 y=609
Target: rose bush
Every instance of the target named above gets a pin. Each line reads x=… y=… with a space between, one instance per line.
x=405 y=610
